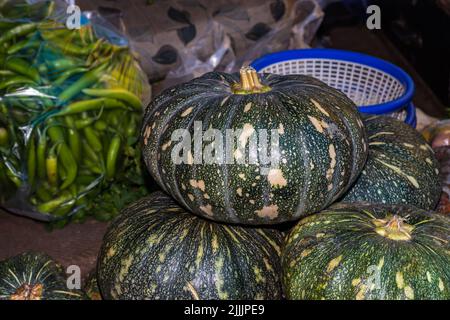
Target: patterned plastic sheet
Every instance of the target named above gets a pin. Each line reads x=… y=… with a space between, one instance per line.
x=182 y=39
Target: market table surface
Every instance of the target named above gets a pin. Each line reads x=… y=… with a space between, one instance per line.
x=78 y=244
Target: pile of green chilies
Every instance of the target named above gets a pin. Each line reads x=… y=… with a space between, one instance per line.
x=70 y=108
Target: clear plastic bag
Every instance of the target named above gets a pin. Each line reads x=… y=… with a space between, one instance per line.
x=182 y=39
x=70 y=108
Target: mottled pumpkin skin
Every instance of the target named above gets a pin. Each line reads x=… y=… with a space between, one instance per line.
x=34 y=276
x=401 y=167
x=91 y=288
x=337 y=254
x=156 y=250
x=322 y=146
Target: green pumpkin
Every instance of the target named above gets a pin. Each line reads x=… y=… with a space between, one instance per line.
x=91 y=288
x=364 y=251
x=34 y=276
x=156 y=250
x=401 y=167
x=321 y=146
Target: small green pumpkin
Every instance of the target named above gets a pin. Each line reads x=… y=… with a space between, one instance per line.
x=91 y=288
x=401 y=167
x=156 y=250
x=363 y=251
x=321 y=145
x=34 y=276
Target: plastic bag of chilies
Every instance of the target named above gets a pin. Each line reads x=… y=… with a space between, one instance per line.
x=70 y=107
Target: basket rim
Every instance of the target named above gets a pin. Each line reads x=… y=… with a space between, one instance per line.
x=349 y=56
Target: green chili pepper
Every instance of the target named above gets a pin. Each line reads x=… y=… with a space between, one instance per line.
x=65 y=155
x=90 y=153
x=100 y=125
x=43 y=193
x=3 y=137
x=92 y=167
x=31 y=161
x=19 y=31
x=6 y=73
x=111 y=157
x=131 y=128
x=67 y=74
x=41 y=149
x=85 y=81
x=74 y=143
x=53 y=204
x=88 y=105
x=22 y=67
x=119 y=94
x=92 y=139
x=23 y=44
x=51 y=166
x=12 y=174
x=16 y=80
x=70 y=49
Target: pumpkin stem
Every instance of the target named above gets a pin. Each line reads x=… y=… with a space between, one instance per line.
x=394 y=228
x=249 y=83
x=28 y=292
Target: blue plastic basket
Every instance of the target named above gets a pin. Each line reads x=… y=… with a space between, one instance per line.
x=375 y=85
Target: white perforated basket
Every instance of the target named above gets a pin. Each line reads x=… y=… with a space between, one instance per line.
x=375 y=85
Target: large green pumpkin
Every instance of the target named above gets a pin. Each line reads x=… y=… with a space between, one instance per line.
x=156 y=250
x=364 y=251
x=321 y=146
x=34 y=276
x=401 y=167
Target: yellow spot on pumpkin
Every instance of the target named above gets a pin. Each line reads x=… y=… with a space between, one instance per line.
x=207 y=209
x=276 y=178
x=111 y=252
x=187 y=112
x=330 y=171
x=215 y=243
x=316 y=123
x=361 y=293
x=242 y=176
x=197 y=184
x=247 y=131
x=270 y=212
x=409 y=292
x=428 y=160
x=334 y=263
x=191 y=197
x=380 y=133
x=400 y=172
x=247 y=107
x=318 y=106
x=166 y=145
x=441 y=284
x=399 y=280
x=239 y=191
x=281 y=129
x=305 y=253
x=355 y=282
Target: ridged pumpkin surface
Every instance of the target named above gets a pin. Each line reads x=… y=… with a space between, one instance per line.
x=322 y=147
x=156 y=250
x=364 y=251
x=34 y=276
x=401 y=167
